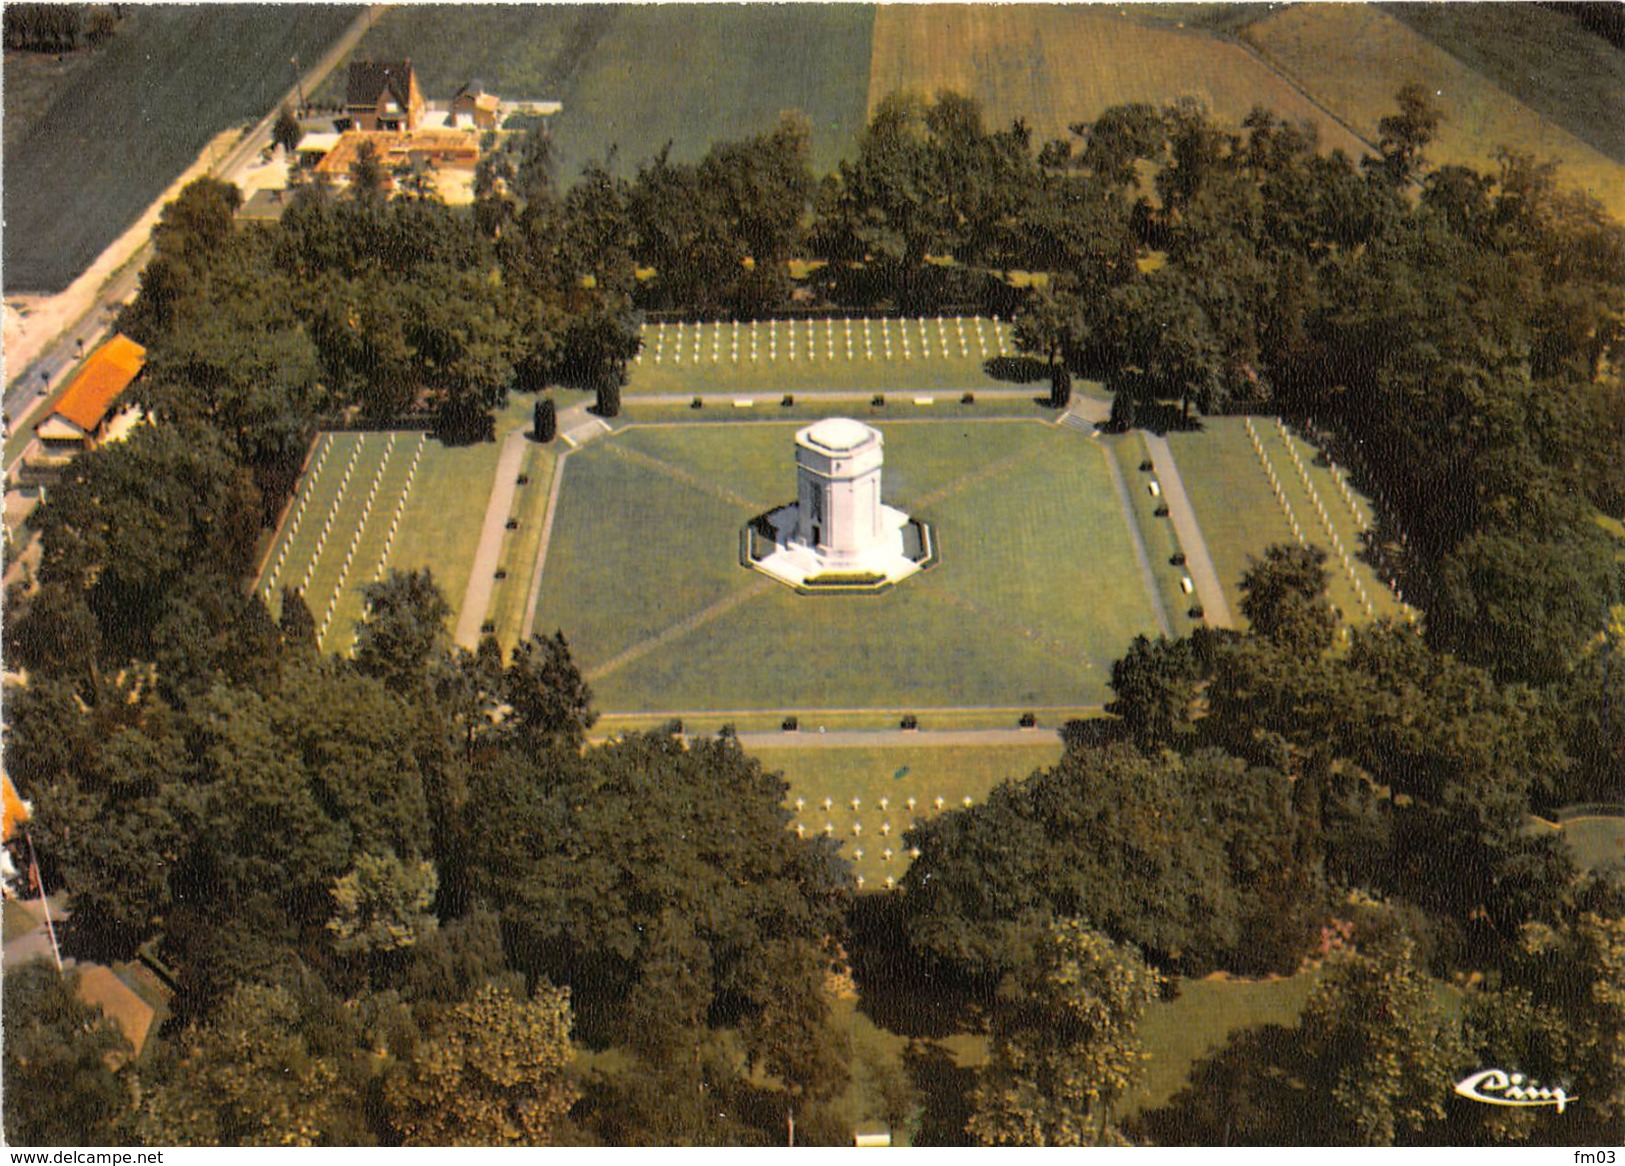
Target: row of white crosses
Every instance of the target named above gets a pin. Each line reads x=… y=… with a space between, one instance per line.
x=1363 y=524
x=1275 y=484
x=756 y=328
x=355 y=539
x=1325 y=520
x=395 y=520
x=332 y=514
x=298 y=513
x=887 y=854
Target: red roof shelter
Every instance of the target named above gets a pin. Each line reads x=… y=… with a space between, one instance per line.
x=81 y=414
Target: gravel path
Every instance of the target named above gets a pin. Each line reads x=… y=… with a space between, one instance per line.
x=477 y=599
x=1197 y=562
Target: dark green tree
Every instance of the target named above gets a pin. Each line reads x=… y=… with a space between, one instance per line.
x=369 y=178
x=402 y=630
x=1065 y=1048
x=286 y=131
x=545 y=422
x=1384 y=1048
x=249 y=1077
x=1284 y=598
x=494 y=1072
x=297 y=624
x=1156 y=685
x=1402 y=136
x=60 y=1087
x=551 y=702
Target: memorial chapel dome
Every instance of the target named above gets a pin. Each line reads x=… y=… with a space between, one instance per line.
x=840 y=434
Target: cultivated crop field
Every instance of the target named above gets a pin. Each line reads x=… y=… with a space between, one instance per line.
x=1353 y=57
x=634 y=77
x=1055 y=65
x=1551 y=64
x=120 y=128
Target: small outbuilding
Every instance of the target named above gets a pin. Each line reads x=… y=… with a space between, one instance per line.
x=472 y=106
x=86 y=416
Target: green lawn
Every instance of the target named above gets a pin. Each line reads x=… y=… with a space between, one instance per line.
x=1036 y=594
x=1596 y=842
x=519 y=547
x=1161 y=543
x=939 y=359
x=15 y=921
x=634 y=77
x=441 y=527
x=1240 y=517
x=895 y=774
x=1180 y=1032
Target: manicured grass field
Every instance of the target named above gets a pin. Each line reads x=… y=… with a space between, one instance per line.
x=1240 y=517
x=896 y=774
x=15 y=921
x=945 y=356
x=1354 y=57
x=1036 y=594
x=1161 y=543
x=1180 y=1032
x=634 y=77
x=511 y=595
x=172 y=78
x=1054 y=65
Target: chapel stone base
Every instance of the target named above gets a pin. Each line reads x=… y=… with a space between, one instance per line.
x=905 y=546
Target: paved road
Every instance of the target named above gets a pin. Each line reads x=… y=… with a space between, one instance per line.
x=27 y=390
x=1197 y=561
x=480 y=581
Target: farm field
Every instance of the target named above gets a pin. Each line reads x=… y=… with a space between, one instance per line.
x=1550 y=63
x=624 y=86
x=1057 y=65
x=1240 y=516
x=125 y=125
x=1354 y=57
x=895 y=775
x=1037 y=592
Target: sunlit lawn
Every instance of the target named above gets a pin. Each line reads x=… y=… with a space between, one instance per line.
x=1036 y=594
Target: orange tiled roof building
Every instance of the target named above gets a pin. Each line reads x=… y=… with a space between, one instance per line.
x=79 y=421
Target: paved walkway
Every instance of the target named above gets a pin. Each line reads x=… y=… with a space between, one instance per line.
x=870 y=738
x=947 y=396
x=480 y=582
x=1197 y=562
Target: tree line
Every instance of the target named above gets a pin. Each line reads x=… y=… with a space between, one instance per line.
x=397 y=892
x=58 y=28
x=1261 y=798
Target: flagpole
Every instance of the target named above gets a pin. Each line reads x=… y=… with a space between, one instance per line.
x=33 y=865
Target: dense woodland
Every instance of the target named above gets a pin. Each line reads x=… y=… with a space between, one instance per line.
x=385 y=876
